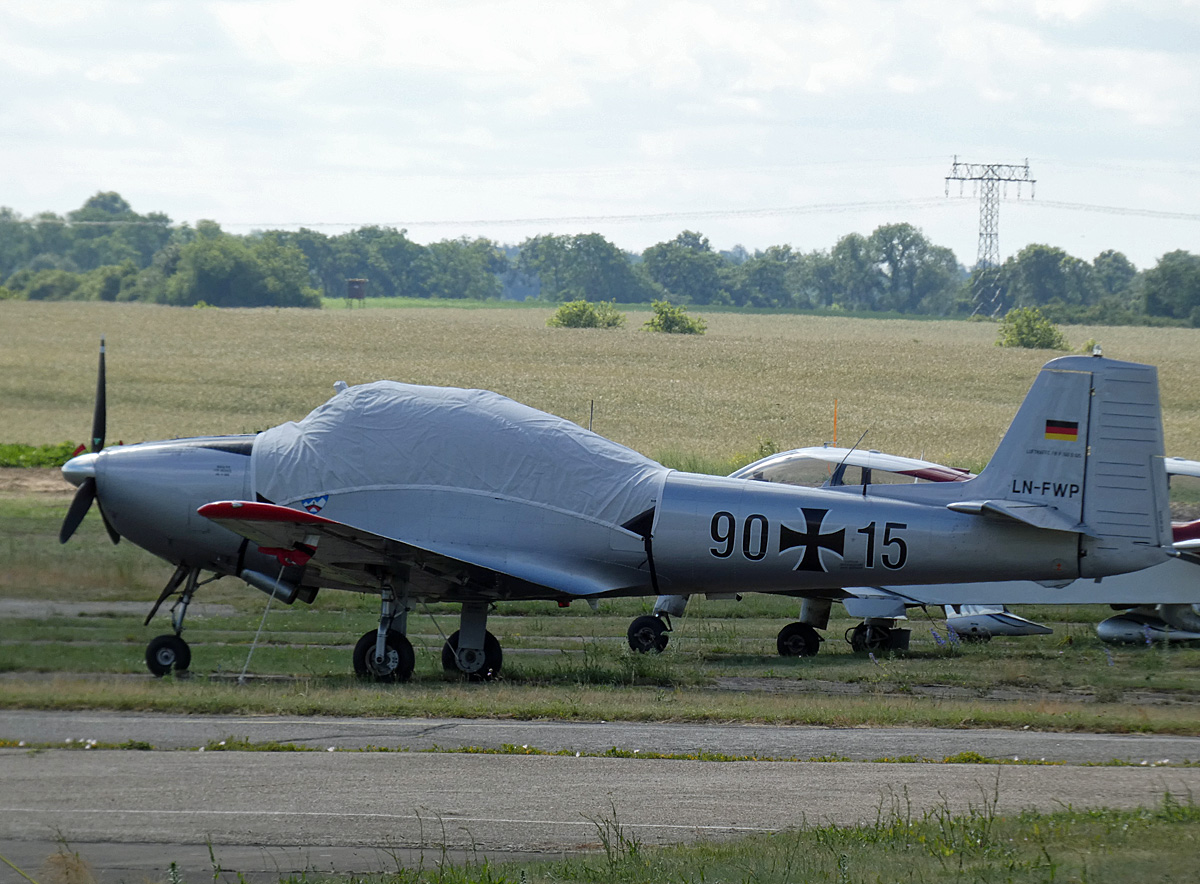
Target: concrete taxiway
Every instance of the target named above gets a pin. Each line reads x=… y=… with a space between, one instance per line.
x=132 y=813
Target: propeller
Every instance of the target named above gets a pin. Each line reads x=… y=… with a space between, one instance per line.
x=86 y=492
x=80 y=504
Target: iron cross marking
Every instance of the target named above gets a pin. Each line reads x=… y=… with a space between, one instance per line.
x=812 y=540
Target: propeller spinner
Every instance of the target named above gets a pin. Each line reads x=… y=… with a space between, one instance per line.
x=81 y=470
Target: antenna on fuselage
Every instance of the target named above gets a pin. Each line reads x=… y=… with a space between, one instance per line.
x=837 y=471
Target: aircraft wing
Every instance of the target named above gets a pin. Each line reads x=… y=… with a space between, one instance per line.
x=346 y=557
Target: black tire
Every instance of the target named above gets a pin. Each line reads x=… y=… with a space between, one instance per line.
x=798 y=640
x=647 y=635
x=167 y=653
x=398 y=659
x=866 y=639
x=493 y=657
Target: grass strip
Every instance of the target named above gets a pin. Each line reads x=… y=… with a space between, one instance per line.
x=347 y=697
x=937 y=846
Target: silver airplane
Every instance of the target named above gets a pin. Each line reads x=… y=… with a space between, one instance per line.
x=417 y=493
x=1145 y=618
x=827 y=466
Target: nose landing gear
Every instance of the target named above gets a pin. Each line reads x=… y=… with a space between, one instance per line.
x=169 y=652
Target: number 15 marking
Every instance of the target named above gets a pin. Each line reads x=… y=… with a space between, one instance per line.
x=901 y=551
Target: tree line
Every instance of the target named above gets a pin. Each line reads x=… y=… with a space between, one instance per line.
x=106 y=251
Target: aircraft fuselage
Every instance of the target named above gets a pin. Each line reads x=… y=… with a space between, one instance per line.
x=721 y=535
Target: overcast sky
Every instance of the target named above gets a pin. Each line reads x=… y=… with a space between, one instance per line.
x=755 y=123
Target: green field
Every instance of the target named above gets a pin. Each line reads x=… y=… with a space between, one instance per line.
x=1098 y=846
x=937 y=389
x=941 y=389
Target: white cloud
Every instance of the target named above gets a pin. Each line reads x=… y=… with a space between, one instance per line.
x=367 y=110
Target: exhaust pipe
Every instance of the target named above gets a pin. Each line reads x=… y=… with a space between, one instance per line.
x=281 y=589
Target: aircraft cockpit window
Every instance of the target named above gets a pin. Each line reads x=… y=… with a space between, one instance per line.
x=801 y=471
x=852 y=475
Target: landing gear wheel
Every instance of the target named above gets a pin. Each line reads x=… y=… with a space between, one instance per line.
x=167 y=653
x=483 y=667
x=798 y=640
x=398 y=658
x=648 y=634
x=864 y=638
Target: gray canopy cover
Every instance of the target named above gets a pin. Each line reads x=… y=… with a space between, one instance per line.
x=392 y=436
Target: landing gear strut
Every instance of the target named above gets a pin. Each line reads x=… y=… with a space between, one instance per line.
x=169 y=652
x=386 y=654
x=472 y=650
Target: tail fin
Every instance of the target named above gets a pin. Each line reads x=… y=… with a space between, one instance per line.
x=1085 y=453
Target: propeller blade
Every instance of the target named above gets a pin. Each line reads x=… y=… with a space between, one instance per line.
x=80 y=504
x=112 y=532
x=100 y=416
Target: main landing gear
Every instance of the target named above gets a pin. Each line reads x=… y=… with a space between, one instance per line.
x=169 y=652
x=877 y=634
x=648 y=633
x=386 y=655
x=801 y=639
x=472 y=651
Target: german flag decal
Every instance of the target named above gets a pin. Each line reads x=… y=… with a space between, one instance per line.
x=1064 y=431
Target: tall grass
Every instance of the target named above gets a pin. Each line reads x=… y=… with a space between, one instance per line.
x=938 y=389
x=937 y=846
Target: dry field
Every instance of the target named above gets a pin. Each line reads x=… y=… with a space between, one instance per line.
x=938 y=389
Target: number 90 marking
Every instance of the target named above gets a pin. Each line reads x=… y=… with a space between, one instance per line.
x=755 y=531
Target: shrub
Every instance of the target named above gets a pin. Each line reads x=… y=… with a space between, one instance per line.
x=674 y=320
x=15 y=454
x=608 y=316
x=1027 y=327
x=582 y=314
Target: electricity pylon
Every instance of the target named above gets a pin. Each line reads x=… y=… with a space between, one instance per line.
x=990 y=176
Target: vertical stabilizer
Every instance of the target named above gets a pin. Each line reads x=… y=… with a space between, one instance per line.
x=1085 y=453
x=1042 y=459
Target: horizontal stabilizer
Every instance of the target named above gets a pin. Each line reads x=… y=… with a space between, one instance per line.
x=1036 y=514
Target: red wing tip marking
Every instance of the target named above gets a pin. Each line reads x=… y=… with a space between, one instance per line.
x=249 y=511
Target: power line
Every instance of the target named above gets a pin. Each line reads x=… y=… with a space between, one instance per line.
x=633 y=218
x=812 y=209
x=1117 y=210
